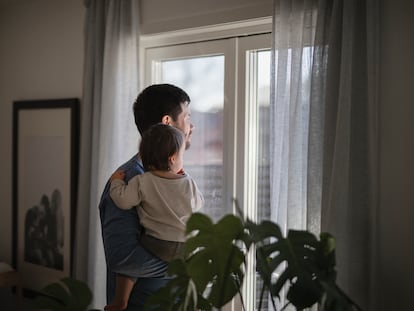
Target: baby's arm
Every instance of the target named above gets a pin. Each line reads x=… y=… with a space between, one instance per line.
x=125 y=196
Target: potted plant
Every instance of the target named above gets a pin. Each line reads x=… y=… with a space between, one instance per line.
x=212 y=272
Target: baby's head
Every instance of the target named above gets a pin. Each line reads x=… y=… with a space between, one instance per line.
x=162 y=148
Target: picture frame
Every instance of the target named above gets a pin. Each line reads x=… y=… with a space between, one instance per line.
x=45 y=170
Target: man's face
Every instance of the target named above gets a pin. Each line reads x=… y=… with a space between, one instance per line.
x=184 y=123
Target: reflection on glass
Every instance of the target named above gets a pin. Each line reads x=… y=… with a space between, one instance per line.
x=203 y=79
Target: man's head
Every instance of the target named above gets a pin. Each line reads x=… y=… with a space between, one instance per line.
x=163 y=103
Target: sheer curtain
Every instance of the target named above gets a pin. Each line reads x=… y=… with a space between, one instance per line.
x=291 y=62
x=325 y=140
x=107 y=125
x=292 y=55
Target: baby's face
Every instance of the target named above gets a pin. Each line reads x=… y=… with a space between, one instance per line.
x=177 y=165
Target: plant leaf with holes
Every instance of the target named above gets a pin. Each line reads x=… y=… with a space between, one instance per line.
x=214 y=261
x=292 y=259
x=66 y=295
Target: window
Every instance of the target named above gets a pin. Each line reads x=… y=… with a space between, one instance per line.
x=228 y=81
x=204 y=160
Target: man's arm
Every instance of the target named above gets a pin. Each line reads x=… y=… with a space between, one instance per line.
x=120 y=233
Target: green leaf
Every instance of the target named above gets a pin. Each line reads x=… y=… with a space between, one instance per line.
x=276 y=287
x=59 y=292
x=213 y=270
x=298 y=251
x=66 y=295
x=201 y=269
x=199 y=221
x=79 y=291
x=266 y=229
x=304 y=293
x=217 y=261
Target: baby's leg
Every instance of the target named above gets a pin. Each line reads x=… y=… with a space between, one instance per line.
x=123 y=289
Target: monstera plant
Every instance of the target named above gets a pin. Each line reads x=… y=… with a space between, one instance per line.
x=212 y=272
x=68 y=294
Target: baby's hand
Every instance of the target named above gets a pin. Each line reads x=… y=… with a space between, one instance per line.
x=181 y=172
x=117 y=175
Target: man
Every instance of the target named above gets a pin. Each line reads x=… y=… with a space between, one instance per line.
x=121 y=230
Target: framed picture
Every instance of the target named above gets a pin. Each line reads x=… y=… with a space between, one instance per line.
x=45 y=164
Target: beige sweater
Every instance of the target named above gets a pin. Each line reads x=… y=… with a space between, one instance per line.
x=163 y=205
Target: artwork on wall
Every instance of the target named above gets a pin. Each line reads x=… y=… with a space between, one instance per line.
x=45 y=154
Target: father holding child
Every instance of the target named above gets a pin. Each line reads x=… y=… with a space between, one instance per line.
x=121 y=229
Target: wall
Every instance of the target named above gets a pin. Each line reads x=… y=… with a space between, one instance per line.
x=397 y=155
x=41 y=56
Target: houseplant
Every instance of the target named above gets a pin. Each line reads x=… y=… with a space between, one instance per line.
x=68 y=294
x=212 y=272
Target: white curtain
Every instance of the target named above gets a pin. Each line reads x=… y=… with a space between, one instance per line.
x=108 y=133
x=325 y=139
x=291 y=61
x=292 y=56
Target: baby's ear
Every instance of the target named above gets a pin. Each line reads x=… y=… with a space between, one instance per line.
x=166 y=119
x=172 y=158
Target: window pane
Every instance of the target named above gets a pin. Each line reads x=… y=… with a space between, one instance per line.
x=263 y=100
x=203 y=79
x=259 y=85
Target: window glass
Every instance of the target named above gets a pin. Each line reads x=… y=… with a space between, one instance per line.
x=263 y=102
x=203 y=79
x=228 y=81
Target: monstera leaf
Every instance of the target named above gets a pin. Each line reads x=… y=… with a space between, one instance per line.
x=66 y=295
x=212 y=272
x=215 y=262
x=213 y=269
x=302 y=263
x=294 y=259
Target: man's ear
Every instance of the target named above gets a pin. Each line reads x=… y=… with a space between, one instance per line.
x=166 y=119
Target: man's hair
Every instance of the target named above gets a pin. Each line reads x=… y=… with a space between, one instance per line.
x=158 y=144
x=156 y=101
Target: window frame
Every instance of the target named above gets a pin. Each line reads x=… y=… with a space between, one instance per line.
x=239 y=161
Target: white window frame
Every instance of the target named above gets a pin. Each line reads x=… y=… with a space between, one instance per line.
x=240 y=161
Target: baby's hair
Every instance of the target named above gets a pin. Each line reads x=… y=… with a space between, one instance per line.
x=158 y=144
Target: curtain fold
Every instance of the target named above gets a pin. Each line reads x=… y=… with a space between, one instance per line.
x=108 y=133
x=291 y=65
x=350 y=144
x=291 y=57
x=325 y=136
